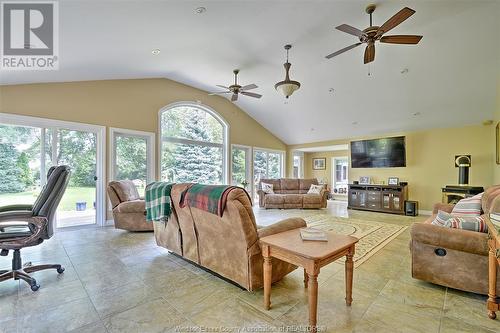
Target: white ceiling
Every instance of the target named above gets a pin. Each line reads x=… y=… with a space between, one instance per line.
x=451 y=80
x=324 y=148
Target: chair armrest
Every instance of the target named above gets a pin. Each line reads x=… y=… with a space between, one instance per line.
x=134 y=206
x=450 y=238
x=37 y=224
x=16 y=215
x=262 y=195
x=442 y=206
x=281 y=226
x=15 y=207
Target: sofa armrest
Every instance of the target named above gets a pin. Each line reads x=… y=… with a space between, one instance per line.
x=324 y=196
x=442 y=206
x=16 y=215
x=450 y=238
x=284 y=225
x=134 y=206
x=262 y=195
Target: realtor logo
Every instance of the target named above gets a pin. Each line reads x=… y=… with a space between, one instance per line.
x=29 y=35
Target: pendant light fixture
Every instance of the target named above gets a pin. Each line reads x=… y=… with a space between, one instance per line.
x=287 y=87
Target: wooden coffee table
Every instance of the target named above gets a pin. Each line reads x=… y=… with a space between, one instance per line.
x=311 y=255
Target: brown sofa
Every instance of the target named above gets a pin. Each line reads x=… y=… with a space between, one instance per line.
x=228 y=246
x=464 y=262
x=129 y=210
x=291 y=193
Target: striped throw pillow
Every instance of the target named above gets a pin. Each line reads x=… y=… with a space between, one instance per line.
x=468 y=206
x=472 y=223
x=441 y=218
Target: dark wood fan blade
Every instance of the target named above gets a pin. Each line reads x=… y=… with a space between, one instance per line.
x=249 y=87
x=251 y=94
x=350 y=30
x=370 y=53
x=342 y=50
x=401 y=39
x=218 y=85
x=234 y=97
x=394 y=21
x=219 y=93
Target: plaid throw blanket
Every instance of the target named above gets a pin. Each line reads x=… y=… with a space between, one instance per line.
x=210 y=198
x=158 y=201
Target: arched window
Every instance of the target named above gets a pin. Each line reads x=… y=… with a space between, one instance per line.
x=193 y=144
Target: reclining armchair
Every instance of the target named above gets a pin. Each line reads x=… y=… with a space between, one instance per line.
x=29 y=225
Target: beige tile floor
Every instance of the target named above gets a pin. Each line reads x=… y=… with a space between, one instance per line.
x=117 y=281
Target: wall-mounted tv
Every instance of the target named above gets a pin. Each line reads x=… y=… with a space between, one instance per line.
x=379 y=153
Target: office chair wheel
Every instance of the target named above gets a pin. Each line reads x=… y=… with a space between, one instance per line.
x=60 y=270
x=35 y=287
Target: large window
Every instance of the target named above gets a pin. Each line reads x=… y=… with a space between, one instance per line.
x=266 y=164
x=193 y=145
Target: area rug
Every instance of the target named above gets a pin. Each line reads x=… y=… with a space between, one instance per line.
x=372 y=235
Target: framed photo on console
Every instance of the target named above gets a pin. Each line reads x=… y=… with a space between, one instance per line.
x=365 y=180
x=319 y=163
x=393 y=181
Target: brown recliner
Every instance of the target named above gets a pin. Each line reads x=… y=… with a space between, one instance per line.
x=228 y=246
x=450 y=257
x=129 y=209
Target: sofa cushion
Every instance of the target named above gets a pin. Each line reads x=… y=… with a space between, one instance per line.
x=293 y=198
x=315 y=189
x=475 y=223
x=489 y=196
x=289 y=185
x=134 y=206
x=468 y=206
x=312 y=199
x=441 y=218
x=125 y=190
x=275 y=199
x=267 y=188
x=276 y=184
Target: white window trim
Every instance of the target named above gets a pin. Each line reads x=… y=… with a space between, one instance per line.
x=334 y=176
x=226 y=158
x=150 y=143
x=300 y=154
x=249 y=161
x=100 y=131
x=283 y=159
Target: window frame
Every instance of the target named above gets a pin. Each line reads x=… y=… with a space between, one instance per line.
x=226 y=159
x=150 y=138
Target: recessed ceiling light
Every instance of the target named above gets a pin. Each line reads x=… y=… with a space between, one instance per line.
x=155 y=51
x=416 y=114
x=404 y=71
x=331 y=90
x=200 y=10
x=354 y=123
x=312 y=129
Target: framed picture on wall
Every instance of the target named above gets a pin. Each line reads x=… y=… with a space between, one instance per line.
x=393 y=181
x=365 y=180
x=319 y=163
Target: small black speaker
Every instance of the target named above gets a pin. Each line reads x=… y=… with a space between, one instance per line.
x=355 y=182
x=411 y=208
x=403 y=183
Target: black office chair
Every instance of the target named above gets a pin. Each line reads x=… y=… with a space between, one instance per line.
x=29 y=225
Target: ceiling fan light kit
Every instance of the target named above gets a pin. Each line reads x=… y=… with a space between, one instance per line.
x=287 y=87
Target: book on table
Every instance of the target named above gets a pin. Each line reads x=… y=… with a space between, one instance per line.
x=311 y=234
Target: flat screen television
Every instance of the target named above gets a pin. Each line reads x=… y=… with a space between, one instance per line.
x=379 y=153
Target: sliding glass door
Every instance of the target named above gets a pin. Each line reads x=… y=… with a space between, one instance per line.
x=266 y=164
x=241 y=157
x=30 y=146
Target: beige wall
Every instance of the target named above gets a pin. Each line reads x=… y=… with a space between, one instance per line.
x=430 y=160
x=321 y=174
x=130 y=104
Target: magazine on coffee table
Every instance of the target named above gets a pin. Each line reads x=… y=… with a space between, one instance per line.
x=311 y=234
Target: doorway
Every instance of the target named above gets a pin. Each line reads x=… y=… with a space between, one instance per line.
x=33 y=145
x=241 y=157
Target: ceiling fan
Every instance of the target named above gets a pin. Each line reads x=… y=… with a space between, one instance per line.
x=374 y=33
x=236 y=89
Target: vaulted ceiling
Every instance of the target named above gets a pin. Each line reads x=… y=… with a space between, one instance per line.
x=449 y=79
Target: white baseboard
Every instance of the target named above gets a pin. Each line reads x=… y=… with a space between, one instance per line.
x=425 y=212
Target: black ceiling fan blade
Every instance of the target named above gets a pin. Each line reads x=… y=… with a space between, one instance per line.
x=396 y=20
x=234 y=98
x=342 y=50
x=350 y=30
x=249 y=87
x=370 y=53
x=219 y=93
x=251 y=94
x=401 y=39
